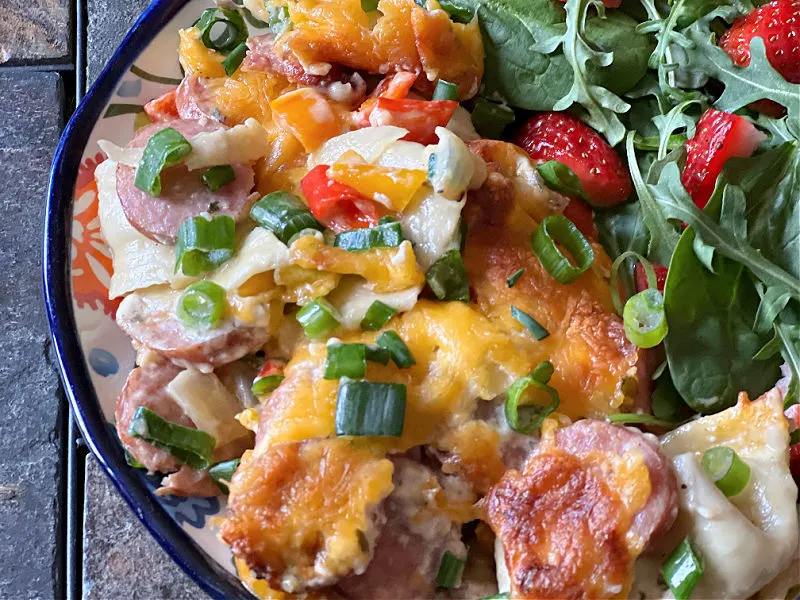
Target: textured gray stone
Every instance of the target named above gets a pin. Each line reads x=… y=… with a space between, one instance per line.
x=121 y=560
x=33 y=413
x=34 y=30
x=108 y=22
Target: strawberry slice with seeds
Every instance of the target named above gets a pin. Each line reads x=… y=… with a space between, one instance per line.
x=718 y=137
x=565 y=138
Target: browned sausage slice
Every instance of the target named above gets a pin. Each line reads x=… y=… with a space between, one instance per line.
x=194 y=99
x=183 y=194
x=151 y=321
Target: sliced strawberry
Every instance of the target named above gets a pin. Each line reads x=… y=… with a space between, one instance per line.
x=778 y=24
x=163 y=108
x=719 y=136
x=641 y=277
x=794 y=462
x=567 y=139
x=582 y=215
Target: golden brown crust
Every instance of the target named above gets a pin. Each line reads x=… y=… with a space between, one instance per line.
x=299 y=511
x=562 y=529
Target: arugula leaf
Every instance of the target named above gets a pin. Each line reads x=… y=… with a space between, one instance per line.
x=788 y=330
x=674 y=203
x=621 y=229
x=780 y=131
x=743 y=85
x=710 y=343
x=675 y=119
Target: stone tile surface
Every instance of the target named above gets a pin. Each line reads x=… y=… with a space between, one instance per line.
x=121 y=560
x=34 y=30
x=33 y=411
x=108 y=22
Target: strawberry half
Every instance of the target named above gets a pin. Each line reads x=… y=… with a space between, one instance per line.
x=718 y=137
x=567 y=139
x=778 y=24
x=641 y=277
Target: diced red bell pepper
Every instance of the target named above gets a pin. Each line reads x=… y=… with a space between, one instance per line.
x=394 y=86
x=163 y=108
x=582 y=216
x=419 y=117
x=273 y=366
x=336 y=205
x=641 y=277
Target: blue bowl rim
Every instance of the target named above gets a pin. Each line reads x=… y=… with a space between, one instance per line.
x=203 y=569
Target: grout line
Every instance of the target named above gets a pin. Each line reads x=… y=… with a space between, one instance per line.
x=65 y=68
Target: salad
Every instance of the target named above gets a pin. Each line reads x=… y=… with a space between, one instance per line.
x=473 y=298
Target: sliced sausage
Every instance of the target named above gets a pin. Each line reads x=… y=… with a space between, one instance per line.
x=147 y=386
x=190 y=483
x=411 y=544
x=150 y=319
x=588 y=436
x=183 y=194
x=194 y=99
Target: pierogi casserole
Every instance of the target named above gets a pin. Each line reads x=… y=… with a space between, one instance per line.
x=472 y=299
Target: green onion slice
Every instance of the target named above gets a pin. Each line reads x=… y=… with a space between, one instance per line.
x=378 y=314
x=385 y=235
x=530 y=323
x=221 y=29
x=202 y=305
x=490 y=119
x=369 y=5
x=447 y=277
x=132 y=461
x=222 y=473
x=284 y=214
x=445 y=90
x=527 y=418
x=503 y=596
x=559 y=229
x=234 y=59
x=164 y=149
x=318 y=318
x=642 y=419
x=346 y=360
x=682 y=570
x=728 y=472
x=400 y=353
x=377 y=354
x=514 y=278
x=450 y=570
x=190 y=446
x=366 y=408
x=215 y=177
x=204 y=244
x=264 y=385
x=618 y=264
x=559 y=177
x=644 y=318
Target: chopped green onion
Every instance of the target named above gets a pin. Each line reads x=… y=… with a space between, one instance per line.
x=682 y=570
x=378 y=314
x=367 y=408
x=131 y=460
x=377 y=354
x=559 y=177
x=618 y=263
x=728 y=472
x=234 y=59
x=401 y=355
x=233 y=33
x=642 y=419
x=514 y=278
x=490 y=119
x=369 y=5
x=457 y=13
x=204 y=244
x=558 y=228
x=527 y=418
x=644 y=318
x=215 y=177
x=346 y=360
x=164 y=149
x=530 y=323
x=447 y=277
x=279 y=19
x=202 y=305
x=190 y=446
x=503 y=596
x=450 y=570
x=318 y=318
x=264 y=385
x=284 y=214
x=222 y=473
x=445 y=90
x=385 y=235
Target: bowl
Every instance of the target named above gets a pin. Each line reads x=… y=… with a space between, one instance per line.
x=93 y=354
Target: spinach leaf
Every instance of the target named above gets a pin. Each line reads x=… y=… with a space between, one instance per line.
x=622 y=229
x=710 y=343
x=522 y=64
